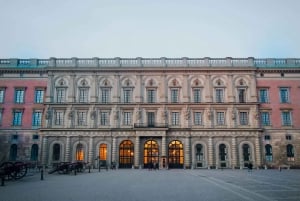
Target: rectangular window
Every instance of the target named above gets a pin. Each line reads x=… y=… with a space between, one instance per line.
x=174 y=95
x=104 y=118
x=19 y=95
x=219 y=95
x=35 y=137
x=263 y=95
x=127 y=118
x=81 y=118
x=243 y=118
x=37 y=118
x=151 y=95
x=1 y=115
x=175 y=118
x=105 y=95
x=2 y=93
x=59 y=118
x=286 y=118
x=220 y=118
x=39 y=96
x=242 y=95
x=265 y=119
x=197 y=118
x=83 y=95
x=127 y=95
x=197 y=95
x=288 y=137
x=267 y=137
x=60 y=95
x=17 y=118
x=284 y=95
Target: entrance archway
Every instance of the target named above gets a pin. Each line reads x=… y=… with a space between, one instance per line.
x=176 y=157
x=126 y=151
x=151 y=154
x=246 y=154
x=223 y=155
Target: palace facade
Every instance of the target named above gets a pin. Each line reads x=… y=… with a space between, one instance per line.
x=176 y=113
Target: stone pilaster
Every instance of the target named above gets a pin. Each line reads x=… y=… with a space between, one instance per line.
x=91 y=153
x=208 y=89
x=67 y=152
x=163 y=146
x=114 y=149
x=253 y=90
x=45 y=150
x=137 y=152
x=116 y=92
x=185 y=89
x=210 y=152
x=233 y=152
x=257 y=152
x=187 y=152
x=230 y=89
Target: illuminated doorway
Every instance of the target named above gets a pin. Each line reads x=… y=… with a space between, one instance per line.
x=103 y=154
x=79 y=152
x=126 y=154
x=176 y=157
x=151 y=153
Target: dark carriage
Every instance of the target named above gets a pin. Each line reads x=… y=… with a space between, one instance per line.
x=13 y=170
x=67 y=167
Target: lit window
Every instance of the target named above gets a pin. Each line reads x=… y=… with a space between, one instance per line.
x=284 y=95
x=265 y=119
x=17 y=117
x=105 y=95
x=220 y=118
x=79 y=152
x=2 y=93
x=37 y=118
x=83 y=95
x=82 y=118
x=151 y=93
x=243 y=118
x=219 y=95
x=127 y=95
x=104 y=118
x=19 y=95
x=197 y=118
x=263 y=95
x=59 y=118
x=103 y=152
x=60 y=95
x=39 y=96
x=127 y=118
x=174 y=95
x=175 y=118
x=197 y=95
x=286 y=118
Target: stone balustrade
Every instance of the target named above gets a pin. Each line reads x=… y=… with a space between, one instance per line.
x=150 y=62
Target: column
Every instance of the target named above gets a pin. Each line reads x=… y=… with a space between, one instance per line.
x=210 y=153
x=163 y=147
x=187 y=153
x=91 y=153
x=233 y=152
x=185 y=89
x=139 y=89
x=116 y=90
x=45 y=150
x=67 y=152
x=230 y=89
x=114 y=149
x=93 y=89
x=257 y=152
x=253 y=91
x=208 y=89
x=72 y=95
x=137 y=152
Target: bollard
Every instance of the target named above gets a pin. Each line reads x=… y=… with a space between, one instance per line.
x=42 y=174
x=89 y=169
x=2 y=181
x=75 y=171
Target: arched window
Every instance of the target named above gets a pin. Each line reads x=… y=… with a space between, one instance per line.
x=223 y=155
x=103 y=152
x=290 y=152
x=176 y=157
x=56 y=152
x=13 y=152
x=79 y=152
x=150 y=153
x=269 y=154
x=246 y=152
x=34 y=152
x=199 y=155
x=126 y=152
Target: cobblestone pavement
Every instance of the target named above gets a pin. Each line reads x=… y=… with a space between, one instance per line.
x=160 y=185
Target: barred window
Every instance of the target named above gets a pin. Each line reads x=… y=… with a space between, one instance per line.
x=174 y=95
x=220 y=118
x=82 y=115
x=105 y=95
x=175 y=118
x=60 y=95
x=127 y=118
x=104 y=118
x=37 y=118
x=151 y=95
x=39 y=96
x=197 y=118
x=197 y=95
x=83 y=95
x=265 y=119
x=19 y=95
x=286 y=118
x=243 y=118
x=219 y=95
x=59 y=118
x=263 y=95
x=284 y=95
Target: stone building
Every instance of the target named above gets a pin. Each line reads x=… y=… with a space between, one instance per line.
x=176 y=113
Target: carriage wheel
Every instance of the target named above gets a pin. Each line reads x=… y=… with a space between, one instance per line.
x=7 y=168
x=20 y=170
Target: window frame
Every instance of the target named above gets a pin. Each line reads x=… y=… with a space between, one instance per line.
x=219 y=94
x=263 y=118
x=284 y=97
x=61 y=93
x=286 y=118
x=174 y=94
x=220 y=119
x=17 y=120
x=37 y=119
x=175 y=118
x=264 y=97
x=197 y=95
x=151 y=97
x=83 y=94
x=2 y=94
x=19 y=97
x=39 y=94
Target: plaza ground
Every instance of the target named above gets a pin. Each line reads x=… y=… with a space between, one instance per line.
x=159 y=185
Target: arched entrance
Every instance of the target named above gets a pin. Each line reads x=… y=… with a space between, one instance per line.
x=223 y=155
x=199 y=155
x=79 y=152
x=269 y=154
x=34 y=152
x=126 y=154
x=151 y=153
x=56 y=152
x=246 y=154
x=176 y=157
x=103 y=154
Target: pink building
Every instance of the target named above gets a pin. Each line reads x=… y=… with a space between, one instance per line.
x=21 y=112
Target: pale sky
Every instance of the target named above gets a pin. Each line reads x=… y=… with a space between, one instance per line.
x=149 y=28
